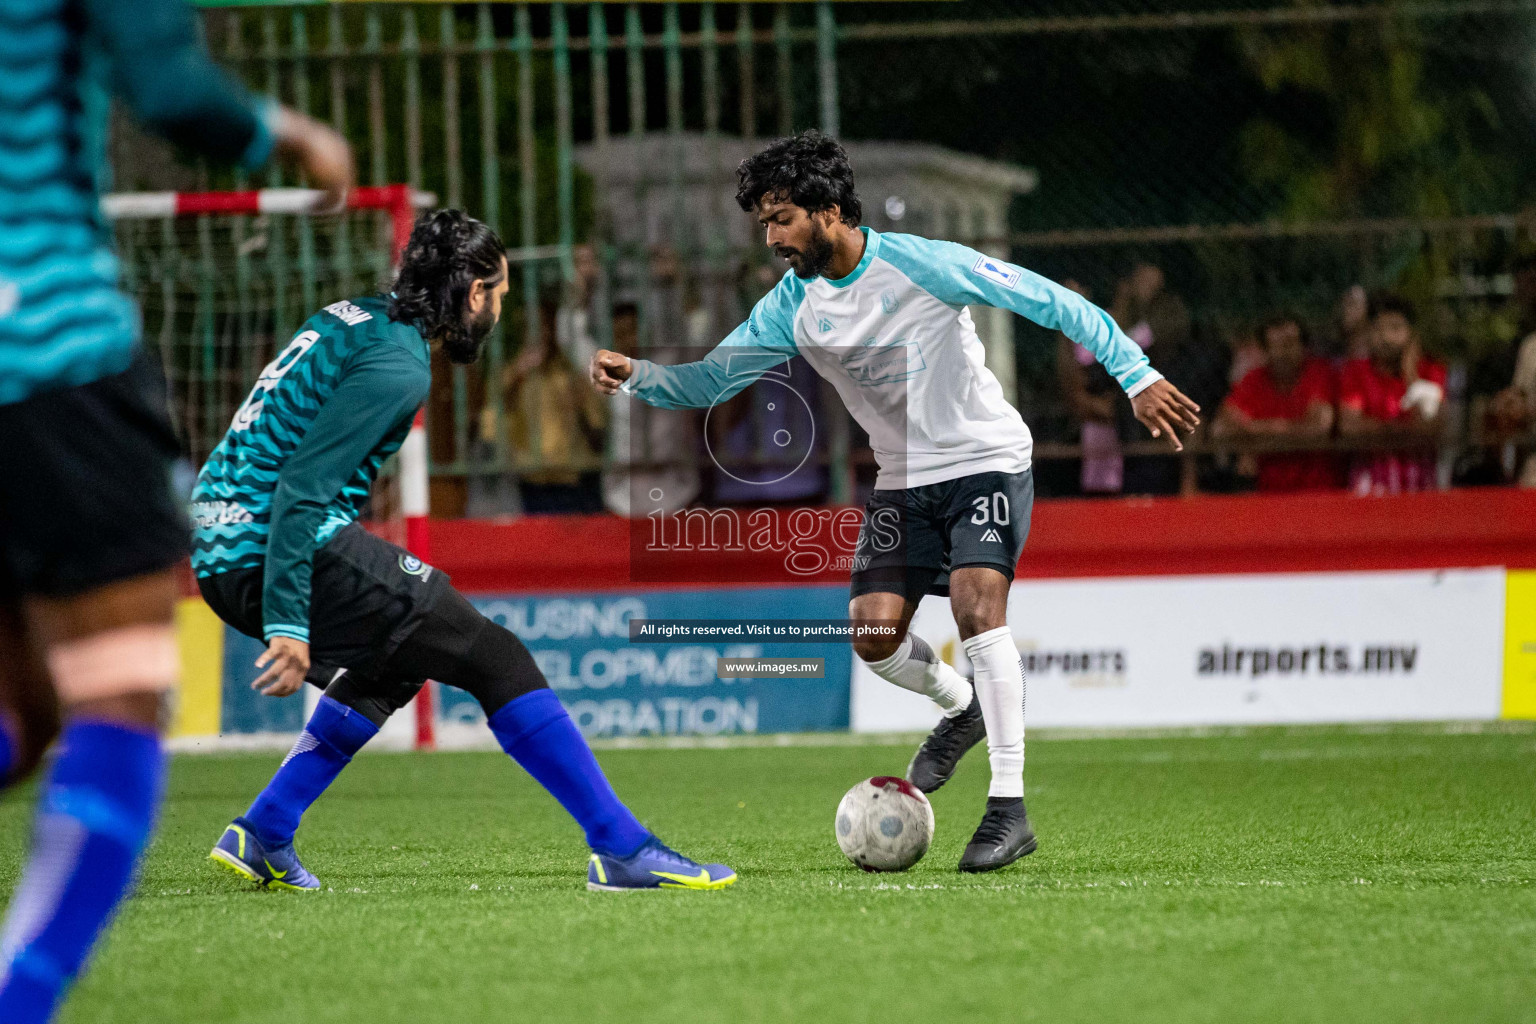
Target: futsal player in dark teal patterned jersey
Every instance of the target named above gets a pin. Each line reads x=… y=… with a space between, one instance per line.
x=89 y=532
x=304 y=450
x=280 y=556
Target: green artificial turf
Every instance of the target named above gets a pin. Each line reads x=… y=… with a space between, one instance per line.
x=1281 y=875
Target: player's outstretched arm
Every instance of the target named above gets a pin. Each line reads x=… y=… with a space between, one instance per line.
x=729 y=368
x=961 y=276
x=167 y=79
x=765 y=341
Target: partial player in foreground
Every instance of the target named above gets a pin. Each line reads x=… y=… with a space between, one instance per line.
x=280 y=556
x=883 y=318
x=89 y=531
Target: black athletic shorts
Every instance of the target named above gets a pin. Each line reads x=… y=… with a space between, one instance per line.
x=86 y=494
x=912 y=538
x=366 y=597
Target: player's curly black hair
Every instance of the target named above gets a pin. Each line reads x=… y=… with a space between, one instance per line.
x=810 y=170
x=448 y=251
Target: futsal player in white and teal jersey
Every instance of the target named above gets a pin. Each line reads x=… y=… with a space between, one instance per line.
x=883 y=318
x=90 y=534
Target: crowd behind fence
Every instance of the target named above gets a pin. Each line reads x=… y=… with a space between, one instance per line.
x=1254 y=158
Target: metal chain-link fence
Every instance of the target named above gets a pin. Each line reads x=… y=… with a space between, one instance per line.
x=1259 y=156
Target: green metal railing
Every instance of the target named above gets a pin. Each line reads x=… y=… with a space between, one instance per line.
x=519 y=112
x=503 y=145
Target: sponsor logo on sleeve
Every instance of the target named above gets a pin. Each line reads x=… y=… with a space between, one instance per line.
x=996 y=270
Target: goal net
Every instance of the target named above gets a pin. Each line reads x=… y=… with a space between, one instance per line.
x=224 y=280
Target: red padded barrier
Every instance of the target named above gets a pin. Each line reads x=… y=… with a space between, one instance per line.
x=1068 y=538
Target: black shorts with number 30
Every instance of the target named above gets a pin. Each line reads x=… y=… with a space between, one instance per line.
x=912 y=538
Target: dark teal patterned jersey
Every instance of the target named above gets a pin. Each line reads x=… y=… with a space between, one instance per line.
x=304 y=449
x=62 y=319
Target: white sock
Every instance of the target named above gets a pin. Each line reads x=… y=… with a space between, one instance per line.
x=915 y=667
x=1000 y=685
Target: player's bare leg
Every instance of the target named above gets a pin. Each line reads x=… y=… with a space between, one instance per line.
x=979 y=596
x=111 y=656
x=881 y=607
x=29 y=710
x=908 y=661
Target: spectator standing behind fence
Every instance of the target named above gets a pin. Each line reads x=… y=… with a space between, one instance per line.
x=1290 y=397
x=556 y=427
x=652 y=459
x=1512 y=410
x=1396 y=394
x=1353 y=324
x=574 y=325
x=763 y=442
x=1156 y=318
x=1089 y=392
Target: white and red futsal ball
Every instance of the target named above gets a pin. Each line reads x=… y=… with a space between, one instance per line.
x=884 y=824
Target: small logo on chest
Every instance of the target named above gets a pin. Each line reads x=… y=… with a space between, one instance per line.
x=889 y=302
x=872 y=364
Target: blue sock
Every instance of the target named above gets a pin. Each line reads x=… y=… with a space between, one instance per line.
x=335 y=732
x=535 y=730
x=94 y=818
x=7 y=753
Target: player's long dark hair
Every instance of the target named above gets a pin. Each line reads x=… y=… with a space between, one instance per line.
x=447 y=252
x=810 y=170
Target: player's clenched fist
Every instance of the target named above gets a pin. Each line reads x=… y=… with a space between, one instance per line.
x=609 y=370
x=1163 y=408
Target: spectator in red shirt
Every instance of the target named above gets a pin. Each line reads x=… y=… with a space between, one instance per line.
x=1291 y=396
x=1395 y=394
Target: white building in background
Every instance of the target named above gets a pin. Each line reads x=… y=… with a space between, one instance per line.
x=662 y=190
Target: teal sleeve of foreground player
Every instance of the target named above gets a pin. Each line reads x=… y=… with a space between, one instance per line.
x=166 y=77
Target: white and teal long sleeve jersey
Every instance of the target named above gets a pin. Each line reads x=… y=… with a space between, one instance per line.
x=895 y=339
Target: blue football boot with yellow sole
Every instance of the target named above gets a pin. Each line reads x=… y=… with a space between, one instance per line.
x=239 y=850
x=654 y=866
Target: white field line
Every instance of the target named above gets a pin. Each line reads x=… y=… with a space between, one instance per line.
x=461 y=736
